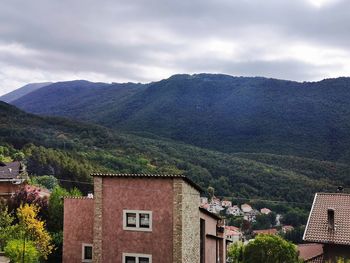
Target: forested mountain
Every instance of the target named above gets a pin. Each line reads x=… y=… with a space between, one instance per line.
x=219 y=112
x=16 y=94
x=71 y=150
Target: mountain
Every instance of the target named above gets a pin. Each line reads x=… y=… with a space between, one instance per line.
x=71 y=150
x=214 y=111
x=16 y=94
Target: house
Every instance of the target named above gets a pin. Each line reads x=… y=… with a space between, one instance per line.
x=233 y=234
x=246 y=208
x=204 y=200
x=124 y=222
x=265 y=211
x=287 y=228
x=234 y=210
x=226 y=203
x=12 y=176
x=311 y=253
x=329 y=224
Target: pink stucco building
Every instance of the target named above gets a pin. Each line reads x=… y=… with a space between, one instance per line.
x=141 y=218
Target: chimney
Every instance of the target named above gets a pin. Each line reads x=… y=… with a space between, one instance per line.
x=330 y=216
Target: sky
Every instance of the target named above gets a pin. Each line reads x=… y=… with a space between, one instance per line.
x=149 y=40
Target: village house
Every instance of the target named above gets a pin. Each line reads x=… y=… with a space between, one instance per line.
x=12 y=176
x=311 y=253
x=226 y=203
x=329 y=224
x=125 y=222
x=265 y=211
x=246 y=208
x=234 y=210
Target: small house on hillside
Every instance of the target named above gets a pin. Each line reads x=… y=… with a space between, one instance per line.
x=329 y=224
x=12 y=176
x=246 y=208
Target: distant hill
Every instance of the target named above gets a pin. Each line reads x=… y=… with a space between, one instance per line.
x=16 y=94
x=71 y=150
x=219 y=112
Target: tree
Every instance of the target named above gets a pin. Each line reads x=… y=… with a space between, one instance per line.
x=6 y=228
x=14 y=250
x=270 y=249
x=33 y=229
x=295 y=235
x=235 y=252
x=262 y=222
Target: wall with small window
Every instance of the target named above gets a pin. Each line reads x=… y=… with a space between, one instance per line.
x=86 y=253
x=137 y=216
x=136 y=258
x=137 y=220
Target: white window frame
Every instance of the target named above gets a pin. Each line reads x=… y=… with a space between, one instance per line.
x=137 y=228
x=83 y=259
x=137 y=256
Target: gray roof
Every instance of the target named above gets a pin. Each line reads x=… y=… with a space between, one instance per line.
x=10 y=170
x=317 y=226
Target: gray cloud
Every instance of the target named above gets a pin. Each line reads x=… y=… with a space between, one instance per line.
x=147 y=40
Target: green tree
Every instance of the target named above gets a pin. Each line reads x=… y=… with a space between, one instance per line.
x=6 y=228
x=235 y=252
x=262 y=222
x=14 y=250
x=270 y=249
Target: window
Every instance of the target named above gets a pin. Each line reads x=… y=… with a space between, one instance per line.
x=136 y=258
x=137 y=220
x=87 y=253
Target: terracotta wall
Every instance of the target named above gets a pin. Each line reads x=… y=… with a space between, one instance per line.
x=210 y=243
x=78 y=228
x=149 y=194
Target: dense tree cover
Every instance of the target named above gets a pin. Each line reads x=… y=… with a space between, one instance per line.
x=220 y=112
x=264 y=249
x=71 y=151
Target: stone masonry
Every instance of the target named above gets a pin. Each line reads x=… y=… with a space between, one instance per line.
x=97 y=241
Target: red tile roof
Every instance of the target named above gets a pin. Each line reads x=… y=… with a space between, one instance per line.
x=317 y=227
x=310 y=251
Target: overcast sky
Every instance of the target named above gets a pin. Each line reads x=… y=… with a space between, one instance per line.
x=148 y=40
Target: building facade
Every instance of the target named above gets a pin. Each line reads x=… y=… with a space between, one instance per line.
x=138 y=219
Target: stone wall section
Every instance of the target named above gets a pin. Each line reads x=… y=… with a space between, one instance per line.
x=190 y=224
x=177 y=220
x=97 y=230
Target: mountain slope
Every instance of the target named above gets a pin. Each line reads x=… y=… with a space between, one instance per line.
x=219 y=112
x=71 y=150
x=16 y=94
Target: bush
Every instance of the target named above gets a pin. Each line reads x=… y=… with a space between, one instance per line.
x=14 y=250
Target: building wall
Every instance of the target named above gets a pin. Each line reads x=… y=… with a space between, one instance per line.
x=78 y=228
x=151 y=194
x=6 y=188
x=190 y=224
x=210 y=243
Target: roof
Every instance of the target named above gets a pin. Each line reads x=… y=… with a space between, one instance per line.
x=205 y=211
x=162 y=176
x=310 y=251
x=317 y=226
x=10 y=170
x=271 y=231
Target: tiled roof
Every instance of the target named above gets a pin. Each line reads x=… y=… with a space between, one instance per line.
x=166 y=176
x=317 y=227
x=310 y=251
x=10 y=170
